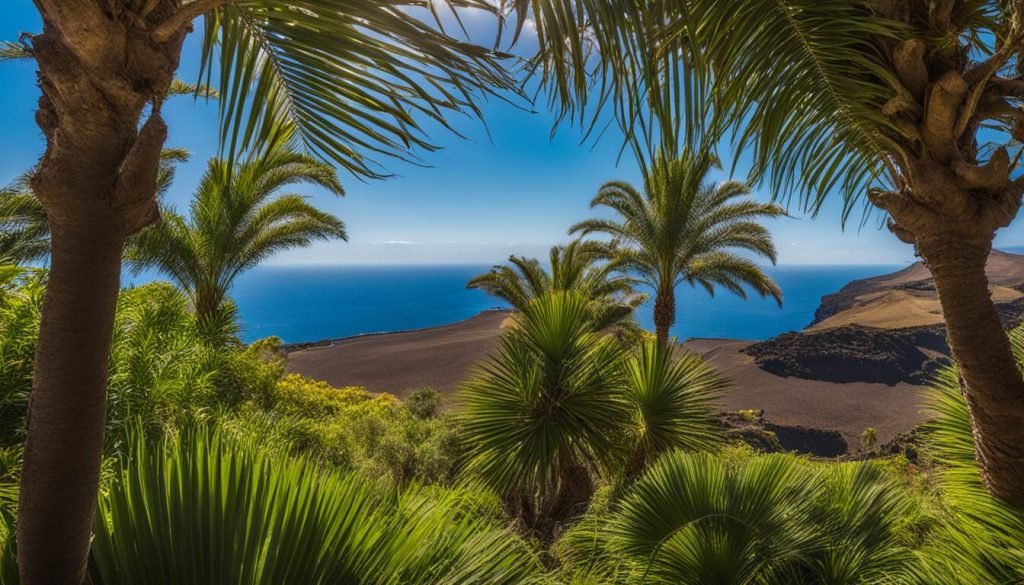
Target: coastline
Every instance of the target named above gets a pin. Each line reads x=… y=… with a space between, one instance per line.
x=332 y=341
x=442 y=357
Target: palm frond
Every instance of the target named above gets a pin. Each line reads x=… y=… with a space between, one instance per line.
x=545 y=403
x=237 y=219
x=673 y=398
x=801 y=84
x=982 y=535
x=200 y=508
x=358 y=80
x=11 y=51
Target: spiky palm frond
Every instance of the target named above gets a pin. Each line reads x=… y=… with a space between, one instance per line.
x=673 y=399
x=238 y=218
x=580 y=266
x=202 y=509
x=683 y=229
x=24 y=229
x=982 y=535
x=11 y=51
x=707 y=518
x=862 y=514
x=801 y=83
x=183 y=88
x=360 y=81
x=694 y=518
x=548 y=401
x=163 y=365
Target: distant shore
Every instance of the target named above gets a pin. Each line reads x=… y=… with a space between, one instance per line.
x=302 y=345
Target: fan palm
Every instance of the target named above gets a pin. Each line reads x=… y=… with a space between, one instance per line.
x=693 y=518
x=577 y=266
x=672 y=396
x=684 y=229
x=205 y=509
x=239 y=218
x=540 y=415
x=559 y=405
x=24 y=230
x=887 y=99
x=700 y=518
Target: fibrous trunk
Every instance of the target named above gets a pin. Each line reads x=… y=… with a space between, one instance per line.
x=992 y=381
x=60 y=477
x=664 y=314
x=98 y=70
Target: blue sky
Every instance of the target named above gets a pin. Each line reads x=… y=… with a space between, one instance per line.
x=480 y=200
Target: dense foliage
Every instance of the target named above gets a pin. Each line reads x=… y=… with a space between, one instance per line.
x=571 y=457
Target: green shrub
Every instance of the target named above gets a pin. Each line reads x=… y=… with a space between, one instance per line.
x=21 y=299
x=350 y=427
x=424 y=403
x=869 y=438
x=980 y=538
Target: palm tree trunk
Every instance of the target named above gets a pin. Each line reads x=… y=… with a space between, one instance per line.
x=60 y=477
x=664 y=314
x=98 y=70
x=992 y=382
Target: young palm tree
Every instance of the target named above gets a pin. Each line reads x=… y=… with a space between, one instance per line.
x=672 y=396
x=239 y=218
x=889 y=99
x=560 y=405
x=579 y=266
x=540 y=416
x=684 y=229
x=695 y=518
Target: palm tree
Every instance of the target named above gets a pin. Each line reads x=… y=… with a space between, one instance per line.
x=559 y=406
x=684 y=229
x=540 y=415
x=24 y=229
x=239 y=218
x=577 y=266
x=888 y=99
x=700 y=518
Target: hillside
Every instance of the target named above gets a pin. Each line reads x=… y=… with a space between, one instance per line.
x=907 y=298
x=887 y=329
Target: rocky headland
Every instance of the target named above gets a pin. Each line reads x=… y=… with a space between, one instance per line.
x=887 y=329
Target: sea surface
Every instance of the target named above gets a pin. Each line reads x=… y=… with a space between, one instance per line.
x=305 y=303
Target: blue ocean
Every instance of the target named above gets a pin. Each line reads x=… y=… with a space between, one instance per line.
x=304 y=303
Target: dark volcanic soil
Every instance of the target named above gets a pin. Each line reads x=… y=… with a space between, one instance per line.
x=859 y=365
x=856 y=354
x=848 y=408
x=399 y=363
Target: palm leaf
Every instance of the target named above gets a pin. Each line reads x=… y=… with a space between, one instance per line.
x=357 y=79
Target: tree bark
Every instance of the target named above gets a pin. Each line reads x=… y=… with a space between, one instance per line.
x=60 y=477
x=992 y=381
x=99 y=69
x=664 y=314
